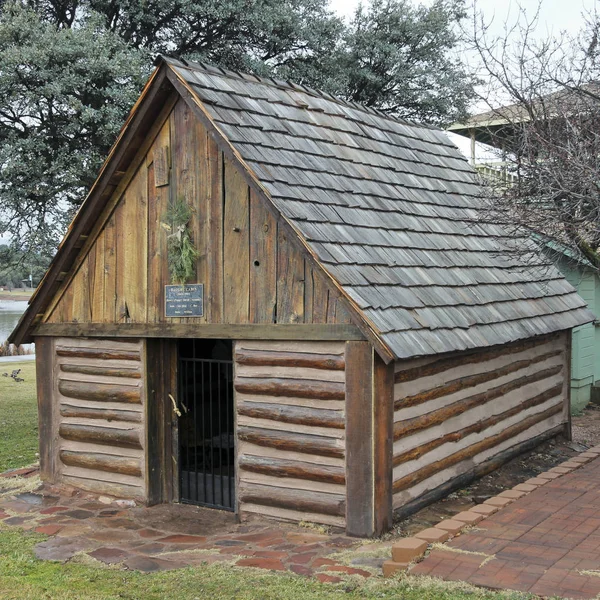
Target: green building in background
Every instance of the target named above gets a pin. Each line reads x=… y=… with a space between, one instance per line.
x=490 y=128
x=585 y=346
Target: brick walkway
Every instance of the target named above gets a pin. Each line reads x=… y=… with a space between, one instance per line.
x=174 y=536
x=546 y=543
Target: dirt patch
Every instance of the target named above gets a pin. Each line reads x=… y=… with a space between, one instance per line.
x=586 y=433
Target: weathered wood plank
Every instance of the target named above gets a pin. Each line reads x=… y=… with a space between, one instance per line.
x=214 y=297
x=360 y=511
x=158 y=200
x=161 y=165
x=85 y=412
x=123 y=152
x=100 y=353
x=383 y=418
x=218 y=331
x=474 y=473
x=161 y=356
x=44 y=362
x=294 y=442
x=259 y=358
x=292 y=414
x=279 y=467
x=107 y=436
x=263 y=263
x=110 y=271
x=132 y=256
x=456 y=360
x=295 y=388
x=103 y=392
x=298 y=500
x=476 y=427
x=102 y=462
x=435 y=417
x=320 y=299
x=236 y=246
x=421 y=474
x=290 y=281
x=97 y=281
x=472 y=381
x=133 y=373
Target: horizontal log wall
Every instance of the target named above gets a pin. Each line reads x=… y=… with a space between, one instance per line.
x=252 y=271
x=453 y=414
x=100 y=402
x=291 y=430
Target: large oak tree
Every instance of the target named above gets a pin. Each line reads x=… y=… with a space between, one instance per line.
x=71 y=69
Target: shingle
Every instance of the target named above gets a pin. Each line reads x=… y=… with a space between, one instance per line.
x=392 y=210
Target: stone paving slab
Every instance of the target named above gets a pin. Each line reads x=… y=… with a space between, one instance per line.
x=169 y=537
x=545 y=543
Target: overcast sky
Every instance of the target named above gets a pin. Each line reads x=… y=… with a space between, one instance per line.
x=555 y=16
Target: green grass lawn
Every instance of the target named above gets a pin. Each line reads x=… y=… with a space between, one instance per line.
x=23 y=577
x=18 y=416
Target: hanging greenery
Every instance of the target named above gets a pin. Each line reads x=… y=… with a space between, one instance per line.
x=181 y=252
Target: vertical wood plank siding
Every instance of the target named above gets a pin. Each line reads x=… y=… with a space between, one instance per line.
x=251 y=271
x=99 y=401
x=291 y=430
x=456 y=413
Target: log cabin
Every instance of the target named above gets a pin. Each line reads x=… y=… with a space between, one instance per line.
x=351 y=343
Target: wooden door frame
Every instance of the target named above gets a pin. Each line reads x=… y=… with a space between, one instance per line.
x=161 y=431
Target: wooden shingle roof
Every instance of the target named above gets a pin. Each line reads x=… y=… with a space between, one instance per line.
x=391 y=210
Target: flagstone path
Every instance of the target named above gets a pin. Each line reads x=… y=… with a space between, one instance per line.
x=174 y=536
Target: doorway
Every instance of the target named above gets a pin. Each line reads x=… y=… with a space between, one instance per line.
x=206 y=423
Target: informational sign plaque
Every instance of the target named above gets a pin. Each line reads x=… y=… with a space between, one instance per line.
x=184 y=300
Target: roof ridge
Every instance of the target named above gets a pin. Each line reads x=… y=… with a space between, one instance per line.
x=289 y=85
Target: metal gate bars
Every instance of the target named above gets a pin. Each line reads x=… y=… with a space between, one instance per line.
x=206 y=436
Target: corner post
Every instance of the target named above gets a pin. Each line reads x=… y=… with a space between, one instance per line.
x=47 y=409
x=360 y=423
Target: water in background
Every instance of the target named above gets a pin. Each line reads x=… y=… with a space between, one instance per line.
x=10 y=313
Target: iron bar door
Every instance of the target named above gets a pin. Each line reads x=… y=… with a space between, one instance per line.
x=206 y=424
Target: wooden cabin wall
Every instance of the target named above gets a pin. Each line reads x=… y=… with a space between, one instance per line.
x=291 y=430
x=98 y=413
x=454 y=415
x=251 y=271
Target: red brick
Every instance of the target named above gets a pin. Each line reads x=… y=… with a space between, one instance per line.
x=548 y=475
x=468 y=518
x=581 y=459
x=589 y=454
x=451 y=526
x=570 y=463
x=525 y=487
x=499 y=502
x=408 y=549
x=433 y=535
x=560 y=470
x=514 y=494
x=536 y=481
x=484 y=509
x=391 y=568
x=272 y=564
